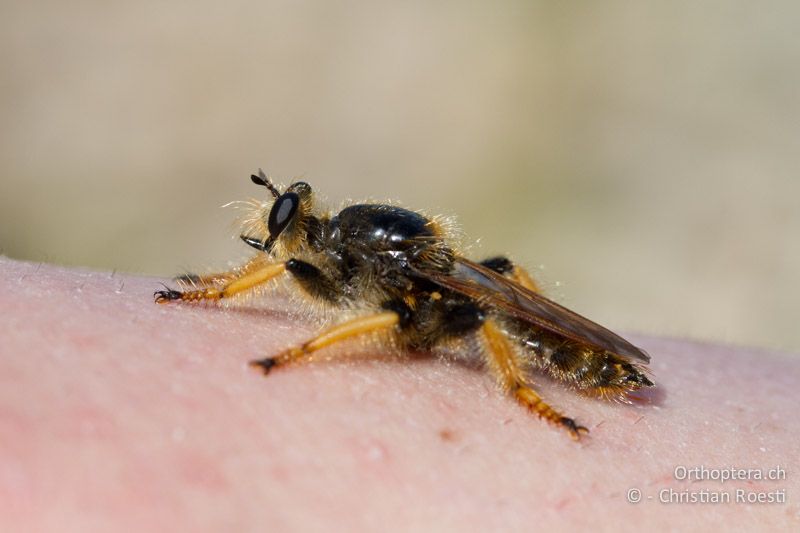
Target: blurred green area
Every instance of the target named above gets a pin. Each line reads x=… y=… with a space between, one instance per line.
x=641 y=157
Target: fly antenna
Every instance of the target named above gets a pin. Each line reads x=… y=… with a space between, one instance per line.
x=263 y=180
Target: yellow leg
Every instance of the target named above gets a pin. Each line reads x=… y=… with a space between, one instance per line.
x=507 y=366
x=521 y=276
x=220 y=278
x=504 y=265
x=338 y=333
x=245 y=281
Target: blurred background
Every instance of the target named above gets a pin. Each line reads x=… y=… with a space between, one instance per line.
x=643 y=159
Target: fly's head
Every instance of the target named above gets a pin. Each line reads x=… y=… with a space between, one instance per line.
x=282 y=225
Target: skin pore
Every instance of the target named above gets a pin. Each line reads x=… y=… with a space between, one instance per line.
x=119 y=414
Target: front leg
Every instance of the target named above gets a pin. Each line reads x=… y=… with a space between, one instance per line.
x=241 y=282
x=254 y=273
x=314 y=281
x=220 y=278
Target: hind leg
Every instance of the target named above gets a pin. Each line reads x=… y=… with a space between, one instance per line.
x=506 y=365
x=503 y=265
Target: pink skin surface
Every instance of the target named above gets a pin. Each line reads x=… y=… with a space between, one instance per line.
x=117 y=414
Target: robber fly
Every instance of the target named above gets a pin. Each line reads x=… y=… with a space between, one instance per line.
x=399 y=277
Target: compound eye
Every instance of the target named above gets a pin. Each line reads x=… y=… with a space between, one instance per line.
x=282 y=213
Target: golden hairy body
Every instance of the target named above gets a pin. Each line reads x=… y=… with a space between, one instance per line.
x=401 y=275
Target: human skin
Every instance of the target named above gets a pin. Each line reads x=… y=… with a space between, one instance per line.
x=117 y=414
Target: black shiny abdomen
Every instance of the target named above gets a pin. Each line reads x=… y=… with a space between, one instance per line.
x=381 y=227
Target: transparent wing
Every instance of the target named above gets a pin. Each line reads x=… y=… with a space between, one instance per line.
x=495 y=290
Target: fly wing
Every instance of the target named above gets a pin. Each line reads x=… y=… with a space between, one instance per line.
x=493 y=289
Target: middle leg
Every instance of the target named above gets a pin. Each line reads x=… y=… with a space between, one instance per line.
x=377 y=322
